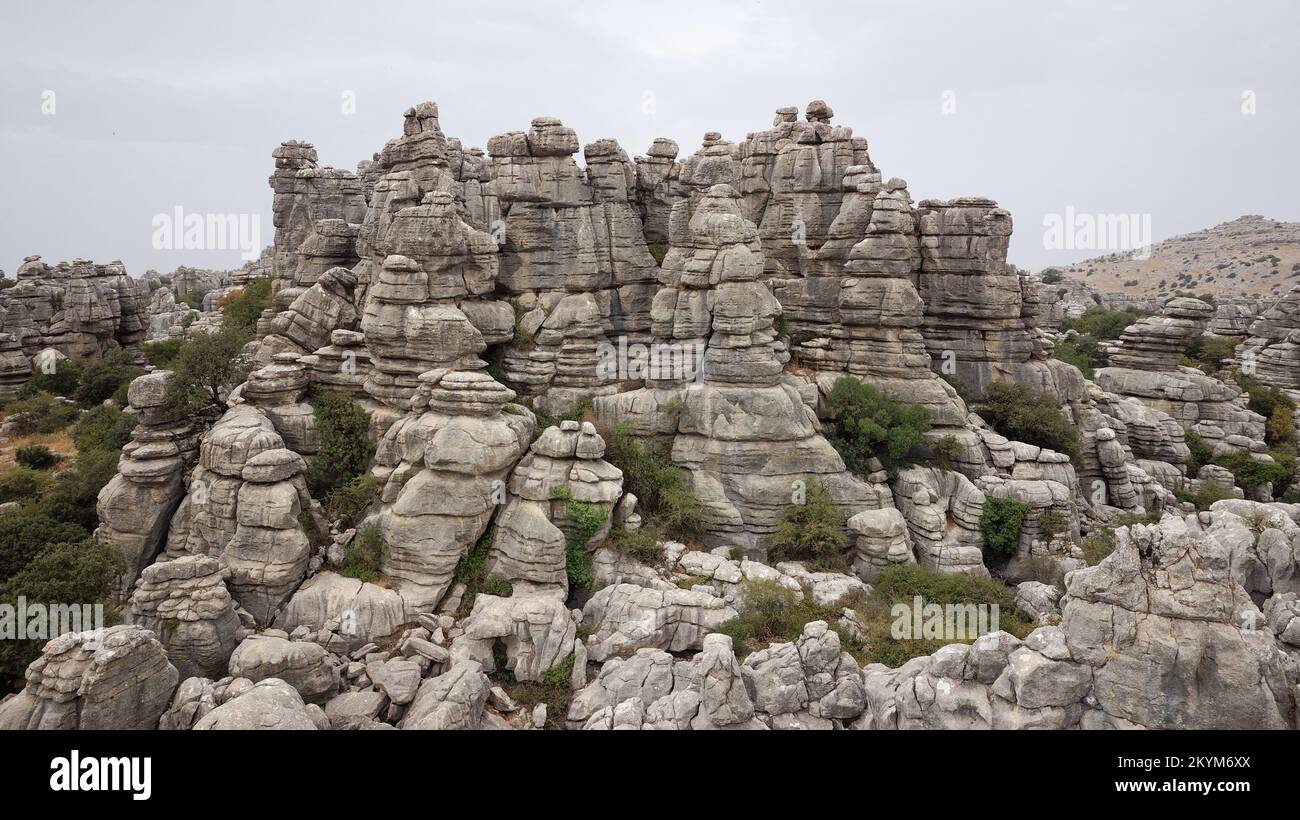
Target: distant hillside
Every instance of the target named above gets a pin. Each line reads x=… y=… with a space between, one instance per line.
x=1249 y=256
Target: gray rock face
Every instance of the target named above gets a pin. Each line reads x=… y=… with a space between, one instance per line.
x=1146 y=367
x=269 y=704
x=443 y=465
x=575 y=261
x=1160 y=634
x=305 y=666
x=537 y=631
x=533 y=528
x=364 y=612
x=624 y=618
x=137 y=504
x=452 y=700
x=305 y=194
x=79 y=308
x=244 y=500
x=742 y=431
x=118 y=678
x=186 y=604
x=1272 y=348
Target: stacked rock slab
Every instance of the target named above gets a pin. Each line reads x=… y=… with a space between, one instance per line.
x=444 y=466
x=79 y=308
x=137 y=504
x=15 y=369
x=279 y=390
x=304 y=194
x=268 y=554
x=1146 y=366
x=1159 y=635
x=880 y=315
x=116 y=678
x=325 y=306
x=342 y=365
x=245 y=497
x=185 y=604
x=1272 y=350
x=805 y=181
x=973 y=301
x=459 y=261
x=743 y=432
x=657 y=189
x=574 y=260
x=563 y=466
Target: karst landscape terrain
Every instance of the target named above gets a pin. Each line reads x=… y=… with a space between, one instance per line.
x=536 y=429
x=487 y=439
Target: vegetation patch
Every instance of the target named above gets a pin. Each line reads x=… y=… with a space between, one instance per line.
x=875 y=425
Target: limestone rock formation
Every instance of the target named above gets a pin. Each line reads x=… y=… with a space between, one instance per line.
x=185 y=603
x=563 y=465
x=1146 y=367
x=79 y=308
x=443 y=465
x=1159 y=635
x=743 y=432
x=137 y=504
x=115 y=678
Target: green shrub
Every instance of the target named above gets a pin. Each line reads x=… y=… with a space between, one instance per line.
x=663 y=490
x=946 y=452
x=189 y=319
x=811 y=532
x=27 y=531
x=498 y=586
x=104 y=428
x=1051 y=276
x=21 y=483
x=240 y=309
x=585 y=520
x=72 y=497
x=365 y=555
x=1083 y=352
x=1206 y=353
x=345 y=445
x=350 y=500
x=874 y=425
x=80 y=571
x=102 y=379
x=1201 y=453
x=1205 y=496
x=63 y=381
x=471 y=570
x=643 y=544
x=1262 y=398
x=1000 y=521
x=205 y=369
x=162 y=354
x=1021 y=413
x=36 y=456
x=41 y=413
x=1103 y=324
x=1249 y=472
x=1097 y=545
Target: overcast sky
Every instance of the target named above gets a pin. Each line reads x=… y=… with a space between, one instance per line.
x=1105 y=107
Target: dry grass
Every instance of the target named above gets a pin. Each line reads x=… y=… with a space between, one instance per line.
x=60 y=444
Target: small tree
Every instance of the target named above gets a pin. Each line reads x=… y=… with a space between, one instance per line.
x=1021 y=413
x=36 y=456
x=204 y=370
x=872 y=424
x=102 y=379
x=811 y=532
x=345 y=445
x=1000 y=521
